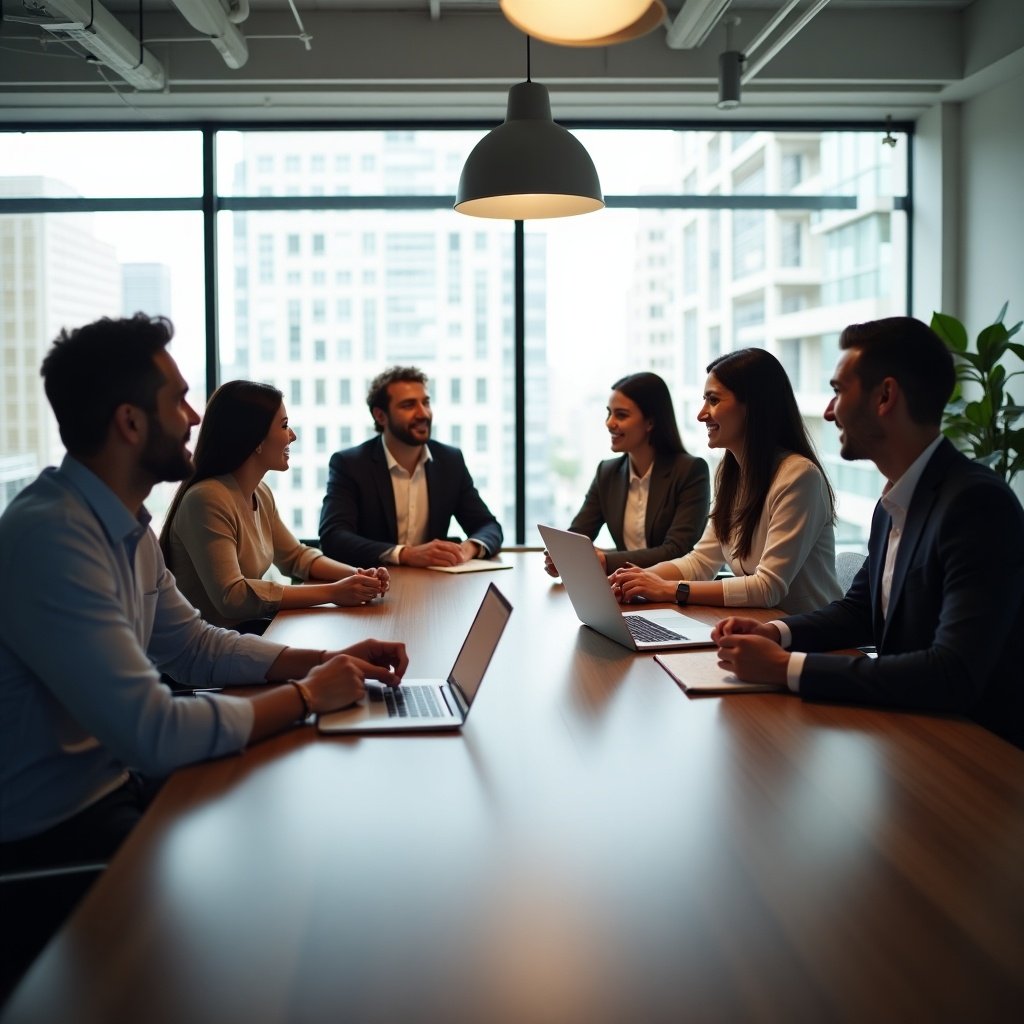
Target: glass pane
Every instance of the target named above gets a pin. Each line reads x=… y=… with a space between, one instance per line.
x=318 y=303
x=65 y=270
x=392 y=163
x=704 y=163
x=626 y=291
x=102 y=164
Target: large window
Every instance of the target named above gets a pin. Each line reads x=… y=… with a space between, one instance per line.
x=339 y=254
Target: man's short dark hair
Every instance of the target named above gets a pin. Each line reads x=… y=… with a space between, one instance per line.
x=91 y=370
x=912 y=353
x=377 y=395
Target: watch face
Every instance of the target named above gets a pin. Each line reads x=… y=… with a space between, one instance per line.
x=682 y=593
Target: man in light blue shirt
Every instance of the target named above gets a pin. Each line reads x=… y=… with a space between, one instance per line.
x=90 y=616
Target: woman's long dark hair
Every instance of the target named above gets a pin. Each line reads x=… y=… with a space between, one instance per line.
x=652 y=398
x=773 y=425
x=237 y=419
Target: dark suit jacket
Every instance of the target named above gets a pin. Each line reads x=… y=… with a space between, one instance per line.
x=956 y=607
x=358 y=522
x=677 y=508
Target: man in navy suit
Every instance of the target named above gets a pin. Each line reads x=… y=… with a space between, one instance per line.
x=391 y=499
x=941 y=595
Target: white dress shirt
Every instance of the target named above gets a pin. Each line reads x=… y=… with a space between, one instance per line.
x=412 y=506
x=896 y=498
x=634 y=518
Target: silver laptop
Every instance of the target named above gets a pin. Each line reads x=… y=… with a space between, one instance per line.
x=430 y=705
x=591 y=596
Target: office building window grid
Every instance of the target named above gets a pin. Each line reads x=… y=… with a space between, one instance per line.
x=317 y=301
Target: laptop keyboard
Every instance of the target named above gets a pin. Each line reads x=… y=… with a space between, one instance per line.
x=413 y=702
x=645 y=631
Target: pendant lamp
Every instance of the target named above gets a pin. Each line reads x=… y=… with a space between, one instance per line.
x=584 y=22
x=528 y=168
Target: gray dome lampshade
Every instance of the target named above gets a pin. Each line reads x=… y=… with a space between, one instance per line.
x=528 y=168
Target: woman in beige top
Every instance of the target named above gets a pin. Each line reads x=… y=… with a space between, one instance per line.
x=223 y=530
x=774 y=507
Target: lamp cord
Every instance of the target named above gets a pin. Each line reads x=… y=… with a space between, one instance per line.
x=528 y=59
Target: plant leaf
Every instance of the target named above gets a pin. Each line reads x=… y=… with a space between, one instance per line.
x=1002 y=312
x=950 y=330
x=992 y=344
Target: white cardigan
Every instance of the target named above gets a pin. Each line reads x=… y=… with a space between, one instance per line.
x=792 y=560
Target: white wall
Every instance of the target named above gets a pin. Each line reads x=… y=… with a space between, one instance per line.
x=992 y=207
x=992 y=214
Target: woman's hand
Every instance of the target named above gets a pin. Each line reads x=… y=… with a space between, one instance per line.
x=358 y=588
x=382 y=576
x=630 y=583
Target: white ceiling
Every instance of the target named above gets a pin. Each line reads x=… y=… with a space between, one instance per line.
x=383 y=60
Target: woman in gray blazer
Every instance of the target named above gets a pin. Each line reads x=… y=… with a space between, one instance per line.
x=654 y=497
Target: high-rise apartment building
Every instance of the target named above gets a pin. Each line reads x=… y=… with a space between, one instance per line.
x=54 y=273
x=321 y=301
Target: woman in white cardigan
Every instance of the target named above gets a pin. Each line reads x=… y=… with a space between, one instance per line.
x=223 y=530
x=772 y=521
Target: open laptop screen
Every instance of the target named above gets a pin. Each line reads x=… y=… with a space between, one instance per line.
x=480 y=643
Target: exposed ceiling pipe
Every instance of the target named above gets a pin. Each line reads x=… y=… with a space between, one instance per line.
x=752 y=67
x=211 y=18
x=95 y=29
x=694 y=22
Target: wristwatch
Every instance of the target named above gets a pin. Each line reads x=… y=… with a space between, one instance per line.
x=683 y=593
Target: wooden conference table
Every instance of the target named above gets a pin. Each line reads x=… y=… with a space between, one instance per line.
x=594 y=847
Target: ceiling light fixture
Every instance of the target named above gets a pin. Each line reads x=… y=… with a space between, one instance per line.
x=730 y=68
x=585 y=22
x=889 y=139
x=528 y=168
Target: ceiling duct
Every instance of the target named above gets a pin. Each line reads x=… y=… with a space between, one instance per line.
x=214 y=19
x=97 y=31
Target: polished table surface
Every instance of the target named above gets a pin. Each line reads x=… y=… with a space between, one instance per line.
x=594 y=846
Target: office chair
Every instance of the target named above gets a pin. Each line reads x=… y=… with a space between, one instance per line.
x=848 y=564
x=34 y=903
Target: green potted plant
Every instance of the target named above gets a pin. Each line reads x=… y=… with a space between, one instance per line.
x=982 y=424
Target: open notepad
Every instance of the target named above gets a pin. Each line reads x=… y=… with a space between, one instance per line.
x=473 y=565
x=698 y=672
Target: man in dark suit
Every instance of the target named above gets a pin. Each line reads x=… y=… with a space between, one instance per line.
x=391 y=499
x=941 y=595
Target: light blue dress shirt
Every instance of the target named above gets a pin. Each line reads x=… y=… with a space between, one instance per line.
x=89 y=617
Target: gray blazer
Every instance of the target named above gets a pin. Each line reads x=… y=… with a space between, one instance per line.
x=677 y=507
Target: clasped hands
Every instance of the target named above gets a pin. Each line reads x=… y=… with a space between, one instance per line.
x=751 y=650
x=362 y=586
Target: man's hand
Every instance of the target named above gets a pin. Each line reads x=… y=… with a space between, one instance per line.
x=754 y=659
x=471 y=550
x=736 y=625
x=382 y=654
x=341 y=681
x=436 y=552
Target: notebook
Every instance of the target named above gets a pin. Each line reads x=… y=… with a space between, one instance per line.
x=701 y=674
x=595 y=605
x=430 y=705
x=473 y=565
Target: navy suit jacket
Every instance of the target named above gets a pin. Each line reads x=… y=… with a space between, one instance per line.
x=358 y=521
x=677 y=508
x=956 y=607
